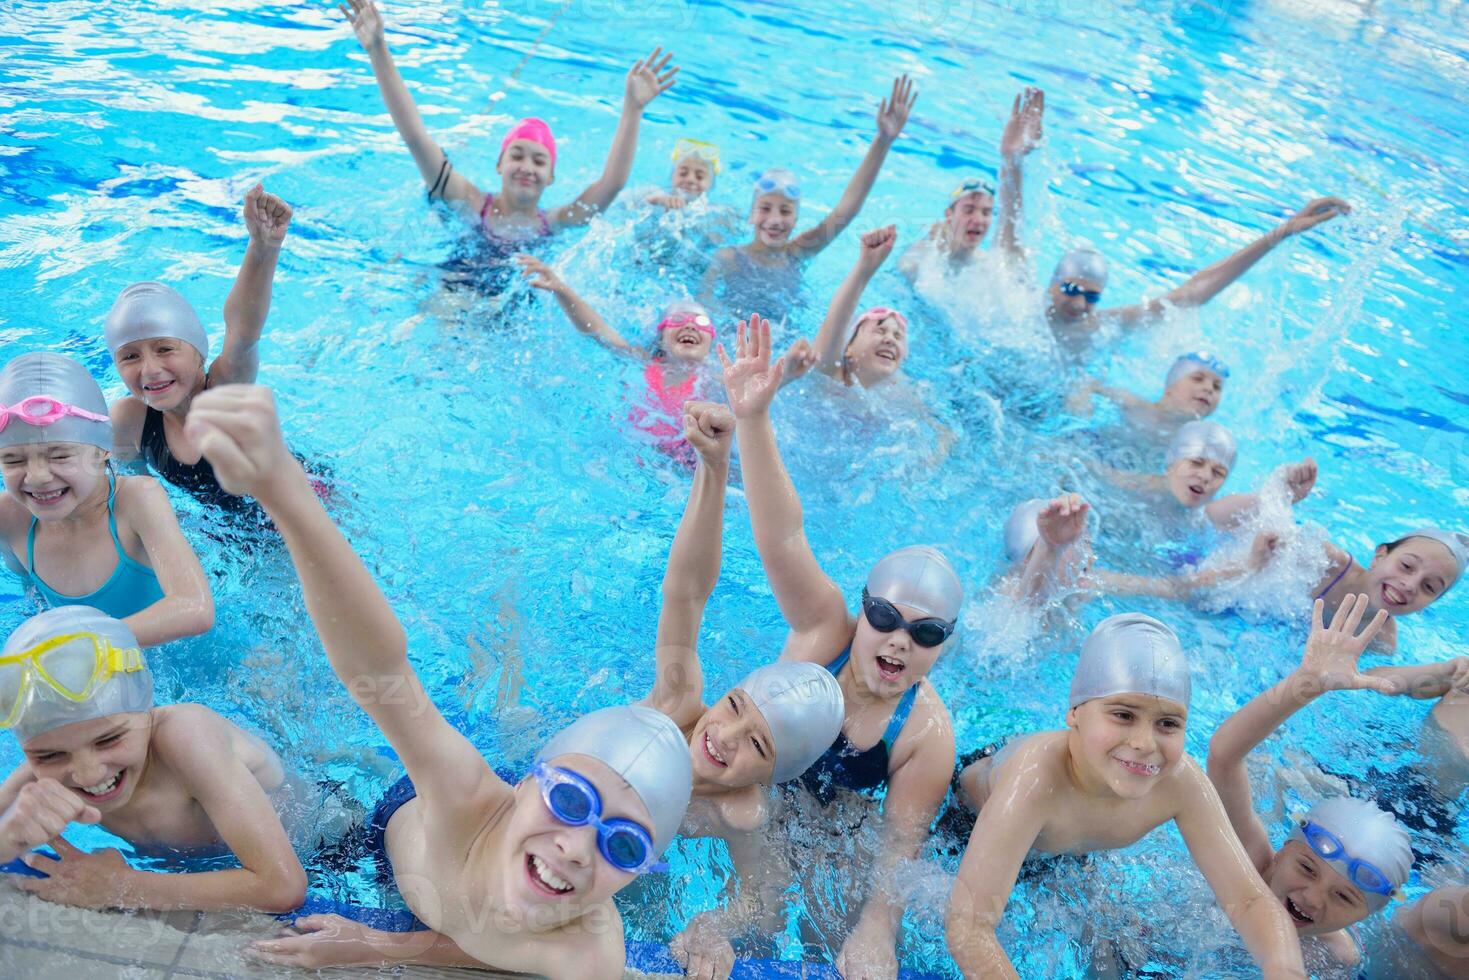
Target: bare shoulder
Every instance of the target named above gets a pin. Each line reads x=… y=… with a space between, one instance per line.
x=1039 y=756
x=183 y=729
x=127 y=414
x=929 y=731
x=140 y=491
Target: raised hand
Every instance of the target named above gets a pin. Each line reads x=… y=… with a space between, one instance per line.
x=366 y=22
x=647 y=79
x=41 y=811
x=541 y=275
x=1332 y=651
x=877 y=245
x=1023 y=129
x=266 y=217
x=800 y=359
x=1320 y=210
x=1063 y=521
x=1300 y=478
x=236 y=428
x=709 y=428
x=750 y=380
x=892 y=114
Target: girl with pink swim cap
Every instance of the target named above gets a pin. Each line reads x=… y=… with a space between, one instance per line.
x=527 y=164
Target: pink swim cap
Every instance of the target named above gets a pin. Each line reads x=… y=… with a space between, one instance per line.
x=535 y=130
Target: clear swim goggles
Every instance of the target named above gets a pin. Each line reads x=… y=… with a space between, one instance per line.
x=705 y=151
x=778 y=182
x=44 y=410
x=972 y=186
x=1359 y=872
x=73 y=665
x=574 y=801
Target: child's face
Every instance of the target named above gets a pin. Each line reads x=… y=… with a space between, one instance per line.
x=100 y=760
x=1073 y=307
x=1318 y=897
x=1197 y=393
x=692 y=176
x=685 y=342
x=52 y=479
x=878 y=349
x=888 y=664
x=731 y=744
x=525 y=166
x=1194 y=482
x=1129 y=741
x=774 y=217
x=1413 y=575
x=968 y=219
x=163 y=371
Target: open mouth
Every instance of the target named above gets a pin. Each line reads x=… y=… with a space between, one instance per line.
x=688 y=339
x=544 y=880
x=711 y=752
x=1204 y=403
x=1392 y=597
x=108 y=789
x=47 y=497
x=1138 y=768
x=889 y=668
x=887 y=354
x=158 y=387
x=1197 y=489
x=1301 y=919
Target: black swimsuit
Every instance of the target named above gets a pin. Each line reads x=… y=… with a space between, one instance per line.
x=845 y=765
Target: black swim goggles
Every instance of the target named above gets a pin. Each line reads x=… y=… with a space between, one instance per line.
x=1072 y=289
x=884 y=617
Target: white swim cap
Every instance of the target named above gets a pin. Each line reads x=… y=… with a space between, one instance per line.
x=148 y=310
x=1456 y=541
x=1202 y=439
x=642 y=746
x=1021 y=532
x=920 y=577
x=1131 y=654
x=1367 y=833
x=803 y=705
x=68 y=382
x=1082 y=263
x=125 y=683
x=1189 y=363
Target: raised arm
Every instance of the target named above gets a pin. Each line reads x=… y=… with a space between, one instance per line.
x=832 y=339
x=1427 y=681
x=237 y=430
x=646 y=80
x=1207 y=283
x=187 y=606
x=892 y=115
x=433 y=165
x=812 y=604
x=1022 y=134
x=693 y=567
x=1053 y=560
x=248 y=304
x=1237 y=508
x=577 y=310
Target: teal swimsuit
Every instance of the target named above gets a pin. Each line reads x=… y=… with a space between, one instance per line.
x=132 y=588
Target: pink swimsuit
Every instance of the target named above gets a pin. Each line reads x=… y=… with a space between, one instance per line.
x=663 y=417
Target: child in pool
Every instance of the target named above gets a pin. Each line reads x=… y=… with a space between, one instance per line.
x=971 y=206
x=102 y=540
x=766 y=273
x=695 y=165
x=1192 y=390
x=896 y=737
x=76 y=692
x=161 y=350
x=868 y=348
x=1332 y=880
x=1080 y=277
x=516 y=877
x=1117 y=772
x=527 y=163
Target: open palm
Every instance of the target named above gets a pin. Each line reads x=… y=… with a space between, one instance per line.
x=750 y=380
x=650 y=78
x=1332 y=652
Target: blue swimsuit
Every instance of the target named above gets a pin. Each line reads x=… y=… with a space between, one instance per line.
x=132 y=588
x=845 y=765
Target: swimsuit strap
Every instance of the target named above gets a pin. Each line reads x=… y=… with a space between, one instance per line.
x=545 y=225
x=112 y=517
x=1345 y=568
x=836 y=665
x=484 y=209
x=31 y=547
x=900 y=717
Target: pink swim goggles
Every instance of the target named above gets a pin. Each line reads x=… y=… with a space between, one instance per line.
x=44 y=410
x=675 y=320
x=879 y=313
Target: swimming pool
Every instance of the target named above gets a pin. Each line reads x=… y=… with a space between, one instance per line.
x=484 y=467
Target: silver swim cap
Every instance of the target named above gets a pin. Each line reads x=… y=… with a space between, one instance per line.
x=1367 y=834
x=65 y=380
x=1456 y=541
x=642 y=746
x=125 y=683
x=1189 y=363
x=147 y=310
x=1021 y=532
x=1082 y=263
x=920 y=577
x=803 y=705
x=1202 y=439
x=1131 y=654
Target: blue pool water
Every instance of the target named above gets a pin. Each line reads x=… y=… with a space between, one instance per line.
x=484 y=466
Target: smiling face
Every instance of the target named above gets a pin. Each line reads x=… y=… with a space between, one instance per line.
x=1318 y=897
x=731 y=745
x=1072 y=308
x=685 y=342
x=773 y=217
x=1127 y=741
x=692 y=176
x=1410 y=576
x=1193 y=482
x=555 y=871
x=100 y=760
x=877 y=350
x=967 y=220
x=887 y=664
x=164 y=371
x=53 y=479
x=524 y=169
x=1196 y=393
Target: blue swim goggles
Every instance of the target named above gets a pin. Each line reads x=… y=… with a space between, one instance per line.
x=574 y=801
x=1072 y=289
x=1360 y=873
x=1207 y=360
x=778 y=182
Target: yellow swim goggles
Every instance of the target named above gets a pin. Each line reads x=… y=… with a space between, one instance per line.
x=707 y=152
x=73 y=665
